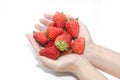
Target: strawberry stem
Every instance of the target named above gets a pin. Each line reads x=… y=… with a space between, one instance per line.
x=67 y=18
x=77 y=18
x=62 y=45
x=34 y=31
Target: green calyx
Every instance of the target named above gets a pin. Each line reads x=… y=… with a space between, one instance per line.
x=77 y=18
x=61 y=45
x=67 y=18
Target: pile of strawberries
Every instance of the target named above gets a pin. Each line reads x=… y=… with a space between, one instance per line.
x=60 y=38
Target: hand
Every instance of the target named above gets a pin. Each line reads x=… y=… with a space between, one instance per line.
x=74 y=63
x=65 y=63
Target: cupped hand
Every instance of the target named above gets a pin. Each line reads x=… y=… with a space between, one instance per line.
x=67 y=63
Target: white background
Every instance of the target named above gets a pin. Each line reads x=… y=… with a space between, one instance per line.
x=17 y=17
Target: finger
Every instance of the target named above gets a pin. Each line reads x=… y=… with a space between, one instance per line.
x=45 y=22
x=34 y=43
x=49 y=63
x=39 y=27
x=83 y=30
x=81 y=23
x=48 y=16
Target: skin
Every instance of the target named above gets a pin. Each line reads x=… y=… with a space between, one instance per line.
x=80 y=65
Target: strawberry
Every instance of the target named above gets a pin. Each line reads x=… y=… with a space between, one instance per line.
x=53 y=32
x=50 y=52
x=66 y=52
x=78 y=45
x=63 y=41
x=52 y=24
x=40 y=37
x=72 y=27
x=49 y=44
x=59 y=19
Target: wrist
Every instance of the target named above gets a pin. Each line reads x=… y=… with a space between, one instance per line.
x=83 y=68
x=80 y=65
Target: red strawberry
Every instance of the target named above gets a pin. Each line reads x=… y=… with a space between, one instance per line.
x=59 y=19
x=49 y=44
x=52 y=24
x=53 y=32
x=50 y=52
x=63 y=41
x=40 y=37
x=66 y=52
x=72 y=27
x=78 y=45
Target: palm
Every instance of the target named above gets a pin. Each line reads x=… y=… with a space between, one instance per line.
x=65 y=63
